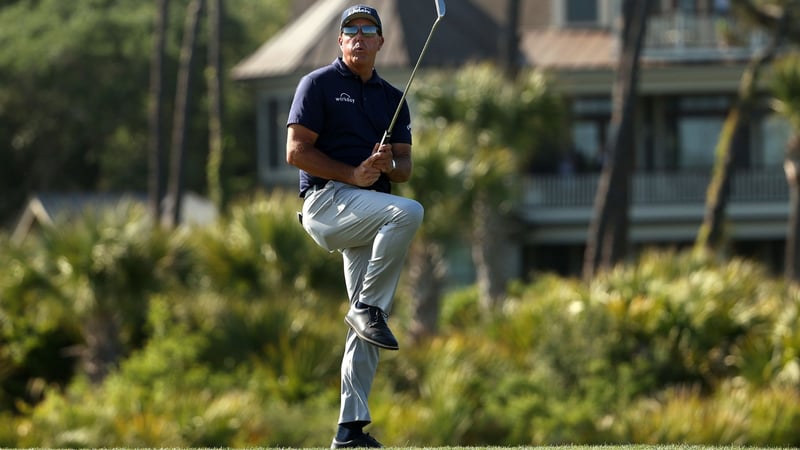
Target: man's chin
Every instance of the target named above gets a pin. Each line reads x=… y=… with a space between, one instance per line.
x=361 y=60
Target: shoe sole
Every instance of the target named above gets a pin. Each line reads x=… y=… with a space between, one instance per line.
x=350 y=444
x=368 y=340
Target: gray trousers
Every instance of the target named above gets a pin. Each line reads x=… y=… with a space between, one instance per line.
x=373 y=231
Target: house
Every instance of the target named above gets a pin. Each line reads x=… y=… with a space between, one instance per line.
x=690 y=72
x=47 y=208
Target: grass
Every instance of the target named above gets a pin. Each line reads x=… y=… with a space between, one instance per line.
x=550 y=447
x=600 y=447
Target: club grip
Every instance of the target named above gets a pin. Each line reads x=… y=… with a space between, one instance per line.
x=385 y=139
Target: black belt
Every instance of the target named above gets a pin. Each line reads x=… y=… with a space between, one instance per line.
x=314 y=187
x=311 y=189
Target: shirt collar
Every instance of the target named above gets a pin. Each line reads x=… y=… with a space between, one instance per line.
x=345 y=71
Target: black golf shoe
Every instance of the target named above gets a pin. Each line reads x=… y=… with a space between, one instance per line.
x=370 y=325
x=362 y=441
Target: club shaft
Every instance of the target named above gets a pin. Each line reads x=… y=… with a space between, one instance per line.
x=388 y=133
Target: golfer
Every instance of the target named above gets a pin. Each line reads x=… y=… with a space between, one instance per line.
x=335 y=125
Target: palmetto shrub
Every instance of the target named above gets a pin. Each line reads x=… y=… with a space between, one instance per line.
x=259 y=248
x=239 y=335
x=79 y=289
x=692 y=319
x=734 y=414
x=199 y=312
x=631 y=357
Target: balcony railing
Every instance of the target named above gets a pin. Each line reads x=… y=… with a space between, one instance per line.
x=700 y=37
x=655 y=188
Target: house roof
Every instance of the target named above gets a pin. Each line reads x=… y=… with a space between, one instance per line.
x=471 y=31
x=466 y=33
x=569 y=48
x=47 y=208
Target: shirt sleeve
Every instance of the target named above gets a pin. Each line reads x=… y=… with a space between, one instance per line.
x=307 y=107
x=402 y=128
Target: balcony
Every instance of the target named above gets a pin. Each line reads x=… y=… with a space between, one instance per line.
x=664 y=206
x=695 y=38
x=656 y=188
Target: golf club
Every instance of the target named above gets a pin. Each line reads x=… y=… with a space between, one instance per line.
x=440 y=10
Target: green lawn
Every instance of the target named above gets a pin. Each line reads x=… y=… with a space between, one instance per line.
x=558 y=447
x=602 y=447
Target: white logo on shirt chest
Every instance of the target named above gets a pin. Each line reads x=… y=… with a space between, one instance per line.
x=345 y=97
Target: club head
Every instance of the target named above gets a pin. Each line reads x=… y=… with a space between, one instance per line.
x=440 y=9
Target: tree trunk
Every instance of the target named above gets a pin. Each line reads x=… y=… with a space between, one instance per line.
x=488 y=253
x=156 y=180
x=214 y=81
x=792 y=258
x=509 y=41
x=711 y=233
x=427 y=270
x=607 y=241
x=102 y=348
x=182 y=98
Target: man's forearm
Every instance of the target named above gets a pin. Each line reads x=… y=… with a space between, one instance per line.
x=308 y=158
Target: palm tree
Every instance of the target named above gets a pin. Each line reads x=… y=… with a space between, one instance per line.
x=182 y=100
x=786 y=102
x=494 y=127
x=214 y=81
x=607 y=241
x=156 y=178
x=509 y=42
x=103 y=266
x=427 y=269
x=711 y=232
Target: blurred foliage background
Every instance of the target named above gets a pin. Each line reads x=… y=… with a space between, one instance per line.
x=73 y=95
x=229 y=335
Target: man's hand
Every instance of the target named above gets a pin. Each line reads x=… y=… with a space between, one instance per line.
x=380 y=161
x=365 y=175
x=382 y=157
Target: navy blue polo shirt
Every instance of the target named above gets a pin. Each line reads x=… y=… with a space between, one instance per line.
x=349 y=116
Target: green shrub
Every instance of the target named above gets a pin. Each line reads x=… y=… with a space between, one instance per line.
x=438 y=394
x=460 y=309
x=735 y=414
x=563 y=361
x=164 y=395
x=77 y=292
x=236 y=341
x=261 y=248
x=683 y=318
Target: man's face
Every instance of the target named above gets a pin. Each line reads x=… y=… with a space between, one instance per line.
x=359 y=49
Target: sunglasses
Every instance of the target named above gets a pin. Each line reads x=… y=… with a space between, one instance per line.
x=366 y=30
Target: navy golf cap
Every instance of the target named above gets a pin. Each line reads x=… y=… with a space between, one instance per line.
x=363 y=12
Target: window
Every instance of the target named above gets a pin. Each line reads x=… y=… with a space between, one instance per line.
x=588 y=140
x=697 y=122
x=697 y=141
x=775 y=133
x=722 y=7
x=687 y=6
x=581 y=11
x=691 y=7
x=278 y=114
x=590 y=130
x=273 y=111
